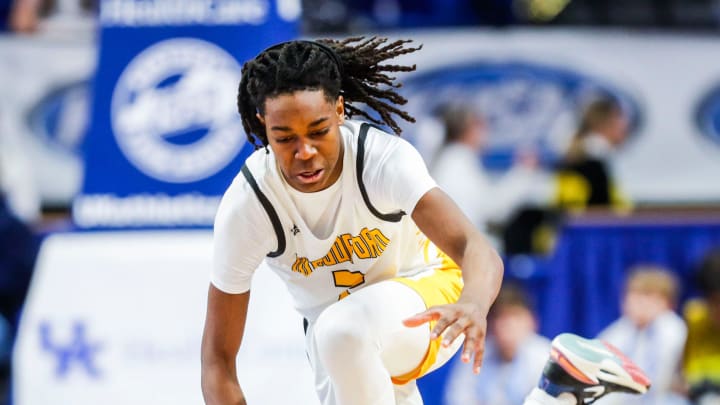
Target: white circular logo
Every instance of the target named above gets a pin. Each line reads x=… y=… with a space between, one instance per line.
x=173 y=110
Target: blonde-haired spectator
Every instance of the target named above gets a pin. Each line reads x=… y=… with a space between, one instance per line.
x=701 y=362
x=650 y=333
x=584 y=175
x=459 y=172
x=513 y=358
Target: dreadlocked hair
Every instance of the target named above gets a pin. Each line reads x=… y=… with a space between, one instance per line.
x=307 y=65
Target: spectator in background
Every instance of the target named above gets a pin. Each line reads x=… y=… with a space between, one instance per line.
x=27 y=16
x=701 y=363
x=584 y=178
x=459 y=172
x=514 y=356
x=18 y=191
x=18 y=251
x=23 y=15
x=650 y=333
x=19 y=245
x=5 y=6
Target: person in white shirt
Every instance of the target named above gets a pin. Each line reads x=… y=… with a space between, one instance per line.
x=514 y=356
x=459 y=171
x=371 y=250
x=650 y=333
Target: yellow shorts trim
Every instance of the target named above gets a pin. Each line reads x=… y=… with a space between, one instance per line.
x=436 y=287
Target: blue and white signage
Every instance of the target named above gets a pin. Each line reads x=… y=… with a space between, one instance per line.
x=76 y=354
x=170 y=115
x=525 y=104
x=707 y=115
x=165 y=138
x=132 y=333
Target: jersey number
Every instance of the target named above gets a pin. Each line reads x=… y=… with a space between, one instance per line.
x=348 y=279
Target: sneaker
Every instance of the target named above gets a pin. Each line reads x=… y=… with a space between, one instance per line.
x=590 y=369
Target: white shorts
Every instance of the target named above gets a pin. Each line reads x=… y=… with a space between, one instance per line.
x=406 y=353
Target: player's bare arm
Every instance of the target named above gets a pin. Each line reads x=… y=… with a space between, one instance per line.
x=224 y=327
x=446 y=226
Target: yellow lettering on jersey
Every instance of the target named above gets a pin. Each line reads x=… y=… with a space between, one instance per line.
x=375 y=241
x=329 y=259
x=346 y=243
x=302 y=265
x=340 y=253
x=379 y=237
x=347 y=278
x=360 y=248
x=366 y=245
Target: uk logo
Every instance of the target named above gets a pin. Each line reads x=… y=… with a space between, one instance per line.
x=77 y=353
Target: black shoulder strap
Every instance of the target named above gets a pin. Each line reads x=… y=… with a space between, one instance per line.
x=270 y=211
x=360 y=166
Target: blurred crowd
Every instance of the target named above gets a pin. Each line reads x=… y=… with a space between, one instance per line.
x=680 y=353
x=529 y=200
x=29 y=16
x=527 y=205
x=357 y=16
x=22 y=209
x=676 y=342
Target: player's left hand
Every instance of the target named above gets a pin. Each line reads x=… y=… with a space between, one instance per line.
x=452 y=320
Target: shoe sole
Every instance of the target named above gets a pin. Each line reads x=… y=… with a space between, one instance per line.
x=626 y=375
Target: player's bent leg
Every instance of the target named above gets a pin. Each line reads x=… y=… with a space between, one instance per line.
x=436 y=287
x=347 y=351
x=582 y=371
x=407 y=394
x=361 y=343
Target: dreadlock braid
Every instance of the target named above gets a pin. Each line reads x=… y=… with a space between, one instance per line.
x=307 y=65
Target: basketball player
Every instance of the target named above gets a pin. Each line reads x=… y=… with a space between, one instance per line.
x=370 y=249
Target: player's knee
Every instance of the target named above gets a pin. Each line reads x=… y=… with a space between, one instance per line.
x=340 y=332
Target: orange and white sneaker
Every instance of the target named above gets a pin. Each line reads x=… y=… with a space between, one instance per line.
x=589 y=369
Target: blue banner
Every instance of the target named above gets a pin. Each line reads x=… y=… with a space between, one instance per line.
x=165 y=138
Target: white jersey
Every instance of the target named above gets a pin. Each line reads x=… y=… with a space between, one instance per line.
x=327 y=244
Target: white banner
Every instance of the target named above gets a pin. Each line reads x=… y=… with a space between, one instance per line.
x=530 y=84
x=43 y=118
x=528 y=81
x=116 y=318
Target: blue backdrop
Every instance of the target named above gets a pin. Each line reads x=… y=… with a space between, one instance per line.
x=578 y=288
x=165 y=138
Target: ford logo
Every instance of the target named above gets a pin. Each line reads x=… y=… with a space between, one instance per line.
x=525 y=104
x=707 y=114
x=61 y=117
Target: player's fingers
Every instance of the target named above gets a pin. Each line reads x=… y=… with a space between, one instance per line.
x=479 y=350
x=468 y=348
x=422 y=318
x=442 y=323
x=454 y=330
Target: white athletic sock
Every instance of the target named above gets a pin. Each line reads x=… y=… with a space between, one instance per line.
x=540 y=397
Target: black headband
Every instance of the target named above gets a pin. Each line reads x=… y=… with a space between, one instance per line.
x=328 y=50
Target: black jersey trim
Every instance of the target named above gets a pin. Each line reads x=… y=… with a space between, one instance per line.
x=360 y=166
x=274 y=219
